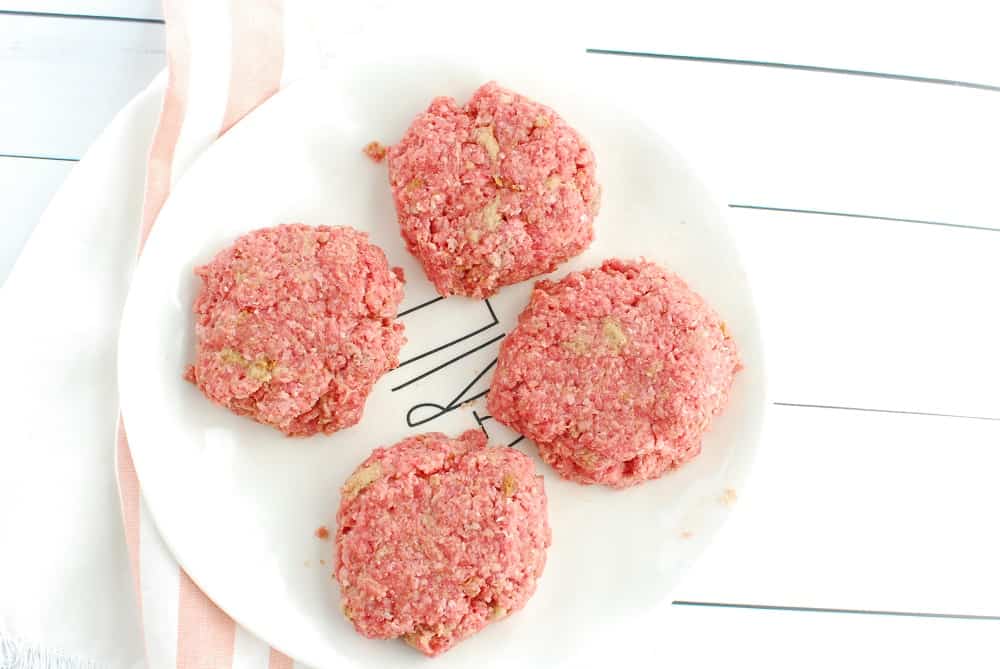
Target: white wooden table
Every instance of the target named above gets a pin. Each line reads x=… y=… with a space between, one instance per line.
x=858 y=149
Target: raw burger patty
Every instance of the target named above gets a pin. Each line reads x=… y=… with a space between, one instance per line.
x=439 y=537
x=615 y=373
x=294 y=325
x=492 y=193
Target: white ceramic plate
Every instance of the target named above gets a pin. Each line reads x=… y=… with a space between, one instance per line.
x=238 y=503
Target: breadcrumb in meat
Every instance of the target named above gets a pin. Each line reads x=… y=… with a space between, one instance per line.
x=494 y=192
x=450 y=536
x=614 y=372
x=295 y=324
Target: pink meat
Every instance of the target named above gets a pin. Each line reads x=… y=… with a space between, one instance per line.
x=492 y=193
x=439 y=537
x=615 y=373
x=294 y=325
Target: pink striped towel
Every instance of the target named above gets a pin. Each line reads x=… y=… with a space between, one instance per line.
x=181 y=626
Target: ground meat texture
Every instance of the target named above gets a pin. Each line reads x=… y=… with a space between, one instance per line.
x=439 y=537
x=615 y=373
x=294 y=324
x=375 y=151
x=492 y=193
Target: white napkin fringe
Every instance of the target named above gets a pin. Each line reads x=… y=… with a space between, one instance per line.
x=16 y=654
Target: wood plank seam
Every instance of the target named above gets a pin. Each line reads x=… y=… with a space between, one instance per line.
x=812 y=609
x=802 y=68
x=86 y=17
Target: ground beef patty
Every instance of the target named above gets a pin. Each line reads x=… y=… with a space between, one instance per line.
x=294 y=325
x=614 y=372
x=439 y=537
x=492 y=193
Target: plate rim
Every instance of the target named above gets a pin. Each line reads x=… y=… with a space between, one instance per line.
x=738 y=474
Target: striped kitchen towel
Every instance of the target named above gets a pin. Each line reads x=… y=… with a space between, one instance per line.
x=224 y=59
